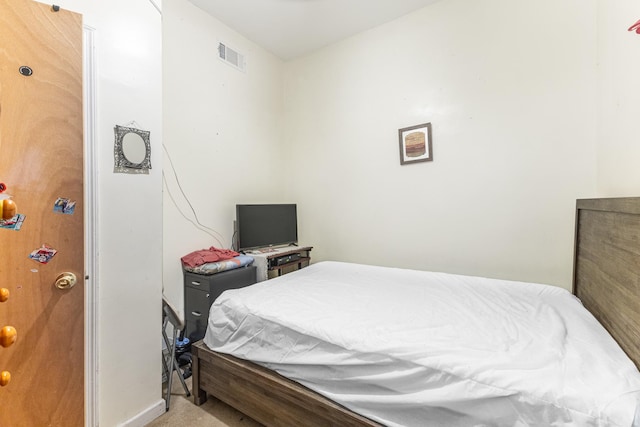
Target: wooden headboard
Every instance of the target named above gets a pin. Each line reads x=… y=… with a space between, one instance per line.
x=606 y=274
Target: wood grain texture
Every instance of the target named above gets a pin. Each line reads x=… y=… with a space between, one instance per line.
x=607 y=267
x=626 y=205
x=41 y=159
x=264 y=395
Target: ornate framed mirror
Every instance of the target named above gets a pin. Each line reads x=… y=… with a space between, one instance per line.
x=132 y=150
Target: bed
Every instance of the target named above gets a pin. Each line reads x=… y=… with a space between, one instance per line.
x=481 y=375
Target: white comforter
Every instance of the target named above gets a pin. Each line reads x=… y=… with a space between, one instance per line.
x=414 y=348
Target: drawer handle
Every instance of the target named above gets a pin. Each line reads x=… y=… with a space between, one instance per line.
x=195 y=283
x=196 y=313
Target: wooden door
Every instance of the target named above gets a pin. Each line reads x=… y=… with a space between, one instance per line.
x=41 y=160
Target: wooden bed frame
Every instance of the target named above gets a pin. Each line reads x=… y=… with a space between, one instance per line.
x=606 y=278
x=606 y=273
x=264 y=395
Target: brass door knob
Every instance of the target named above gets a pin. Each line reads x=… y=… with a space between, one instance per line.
x=66 y=281
x=4 y=294
x=8 y=336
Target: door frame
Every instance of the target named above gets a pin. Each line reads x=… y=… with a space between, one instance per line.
x=91 y=227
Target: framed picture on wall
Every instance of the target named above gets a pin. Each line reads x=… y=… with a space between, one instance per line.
x=415 y=144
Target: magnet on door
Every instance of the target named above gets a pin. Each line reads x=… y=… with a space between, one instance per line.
x=5 y=378
x=64 y=206
x=8 y=207
x=8 y=336
x=9 y=218
x=43 y=254
x=14 y=223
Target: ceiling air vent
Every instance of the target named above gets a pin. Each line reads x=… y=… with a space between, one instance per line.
x=231 y=57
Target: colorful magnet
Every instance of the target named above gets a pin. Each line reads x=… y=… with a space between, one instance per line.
x=64 y=206
x=8 y=207
x=43 y=255
x=14 y=223
x=2 y=187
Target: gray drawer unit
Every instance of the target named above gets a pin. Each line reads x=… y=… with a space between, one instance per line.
x=200 y=291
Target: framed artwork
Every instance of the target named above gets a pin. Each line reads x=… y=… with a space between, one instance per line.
x=415 y=144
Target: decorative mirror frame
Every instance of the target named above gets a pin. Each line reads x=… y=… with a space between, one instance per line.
x=121 y=163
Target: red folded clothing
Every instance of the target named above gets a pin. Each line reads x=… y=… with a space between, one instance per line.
x=204 y=256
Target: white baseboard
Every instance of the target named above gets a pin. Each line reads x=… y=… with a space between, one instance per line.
x=146 y=416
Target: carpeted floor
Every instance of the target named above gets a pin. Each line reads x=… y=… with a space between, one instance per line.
x=213 y=413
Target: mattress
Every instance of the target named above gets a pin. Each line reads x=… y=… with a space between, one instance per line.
x=415 y=348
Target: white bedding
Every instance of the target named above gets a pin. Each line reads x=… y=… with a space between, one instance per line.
x=414 y=348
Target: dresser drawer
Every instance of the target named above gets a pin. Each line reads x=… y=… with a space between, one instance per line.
x=197 y=281
x=196 y=327
x=197 y=302
x=230 y=279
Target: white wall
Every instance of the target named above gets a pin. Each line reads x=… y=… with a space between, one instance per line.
x=618 y=106
x=128 y=60
x=223 y=132
x=510 y=89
